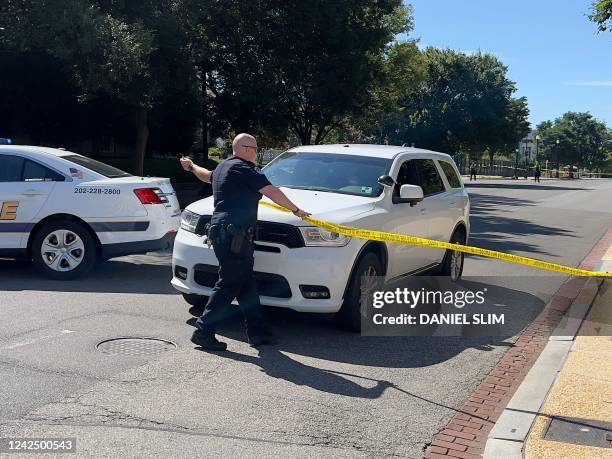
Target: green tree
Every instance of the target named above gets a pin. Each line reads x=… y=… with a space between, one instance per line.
x=403 y=75
x=275 y=65
x=509 y=129
x=130 y=52
x=576 y=139
x=601 y=14
x=449 y=101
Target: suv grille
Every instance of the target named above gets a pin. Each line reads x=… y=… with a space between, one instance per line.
x=278 y=233
x=268 y=284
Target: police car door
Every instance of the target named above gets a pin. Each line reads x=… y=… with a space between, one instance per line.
x=25 y=185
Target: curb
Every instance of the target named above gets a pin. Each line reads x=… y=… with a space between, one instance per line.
x=497 y=417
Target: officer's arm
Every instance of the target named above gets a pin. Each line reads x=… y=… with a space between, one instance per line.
x=281 y=199
x=200 y=172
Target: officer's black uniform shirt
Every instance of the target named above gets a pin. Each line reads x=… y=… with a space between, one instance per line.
x=236 y=183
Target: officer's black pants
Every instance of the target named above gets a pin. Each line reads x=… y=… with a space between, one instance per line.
x=236 y=281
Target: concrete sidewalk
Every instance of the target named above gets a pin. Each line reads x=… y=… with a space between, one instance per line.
x=576 y=418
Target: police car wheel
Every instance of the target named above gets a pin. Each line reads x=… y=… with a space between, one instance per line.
x=452 y=264
x=365 y=280
x=63 y=250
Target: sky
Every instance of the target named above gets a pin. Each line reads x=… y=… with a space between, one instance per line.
x=553 y=52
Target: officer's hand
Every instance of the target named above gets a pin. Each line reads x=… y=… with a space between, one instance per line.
x=186 y=163
x=301 y=213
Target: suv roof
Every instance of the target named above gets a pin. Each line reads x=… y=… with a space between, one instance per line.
x=377 y=151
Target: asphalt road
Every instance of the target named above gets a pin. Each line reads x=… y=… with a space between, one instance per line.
x=319 y=392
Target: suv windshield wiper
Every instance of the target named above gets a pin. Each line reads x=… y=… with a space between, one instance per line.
x=310 y=188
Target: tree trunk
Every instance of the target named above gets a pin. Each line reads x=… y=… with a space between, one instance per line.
x=142 y=136
x=204 y=113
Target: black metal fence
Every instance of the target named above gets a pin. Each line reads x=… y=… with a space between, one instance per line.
x=498 y=168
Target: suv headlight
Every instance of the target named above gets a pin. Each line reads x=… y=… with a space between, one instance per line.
x=189 y=221
x=317 y=237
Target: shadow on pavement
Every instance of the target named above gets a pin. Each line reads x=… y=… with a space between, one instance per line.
x=135 y=274
x=495 y=230
x=524 y=186
x=315 y=336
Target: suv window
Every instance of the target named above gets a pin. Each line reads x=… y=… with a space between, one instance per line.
x=34 y=172
x=421 y=172
x=11 y=169
x=450 y=173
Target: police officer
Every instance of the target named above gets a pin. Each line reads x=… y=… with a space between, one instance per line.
x=237 y=188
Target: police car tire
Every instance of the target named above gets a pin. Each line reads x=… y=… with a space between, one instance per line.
x=349 y=316
x=446 y=267
x=89 y=257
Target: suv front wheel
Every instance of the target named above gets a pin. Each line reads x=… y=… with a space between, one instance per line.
x=452 y=264
x=365 y=280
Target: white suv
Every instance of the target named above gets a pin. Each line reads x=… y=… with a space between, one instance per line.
x=387 y=188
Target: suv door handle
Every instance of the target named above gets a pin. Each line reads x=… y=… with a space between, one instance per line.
x=31 y=192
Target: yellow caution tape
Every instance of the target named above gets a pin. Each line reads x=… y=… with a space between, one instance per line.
x=412 y=240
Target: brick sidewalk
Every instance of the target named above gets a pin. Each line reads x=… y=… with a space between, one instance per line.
x=465 y=435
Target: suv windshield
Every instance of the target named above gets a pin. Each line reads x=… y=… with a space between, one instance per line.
x=335 y=173
x=96 y=166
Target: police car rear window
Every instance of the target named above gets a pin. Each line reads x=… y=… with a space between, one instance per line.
x=96 y=166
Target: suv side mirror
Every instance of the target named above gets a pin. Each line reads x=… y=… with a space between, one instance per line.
x=386 y=180
x=411 y=194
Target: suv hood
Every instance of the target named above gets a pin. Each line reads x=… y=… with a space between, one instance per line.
x=333 y=207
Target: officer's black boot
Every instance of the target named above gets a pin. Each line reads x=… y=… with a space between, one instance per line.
x=207 y=341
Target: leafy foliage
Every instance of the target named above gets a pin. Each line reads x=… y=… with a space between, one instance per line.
x=602 y=14
x=576 y=139
x=289 y=64
x=162 y=73
x=446 y=100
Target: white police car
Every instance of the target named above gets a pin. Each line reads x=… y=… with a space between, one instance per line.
x=64 y=211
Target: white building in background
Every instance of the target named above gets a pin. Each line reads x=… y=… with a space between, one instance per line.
x=527 y=148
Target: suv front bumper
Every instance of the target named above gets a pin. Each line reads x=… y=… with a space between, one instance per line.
x=319 y=266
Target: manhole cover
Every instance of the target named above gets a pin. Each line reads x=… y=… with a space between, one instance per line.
x=579 y=431
x=135 y=346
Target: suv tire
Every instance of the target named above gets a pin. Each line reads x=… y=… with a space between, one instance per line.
x=197 y=301
x=452 y=264
x=365 y=279
x=63 y=250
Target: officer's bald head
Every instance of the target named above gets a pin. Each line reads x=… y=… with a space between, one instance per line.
x=245 y=147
